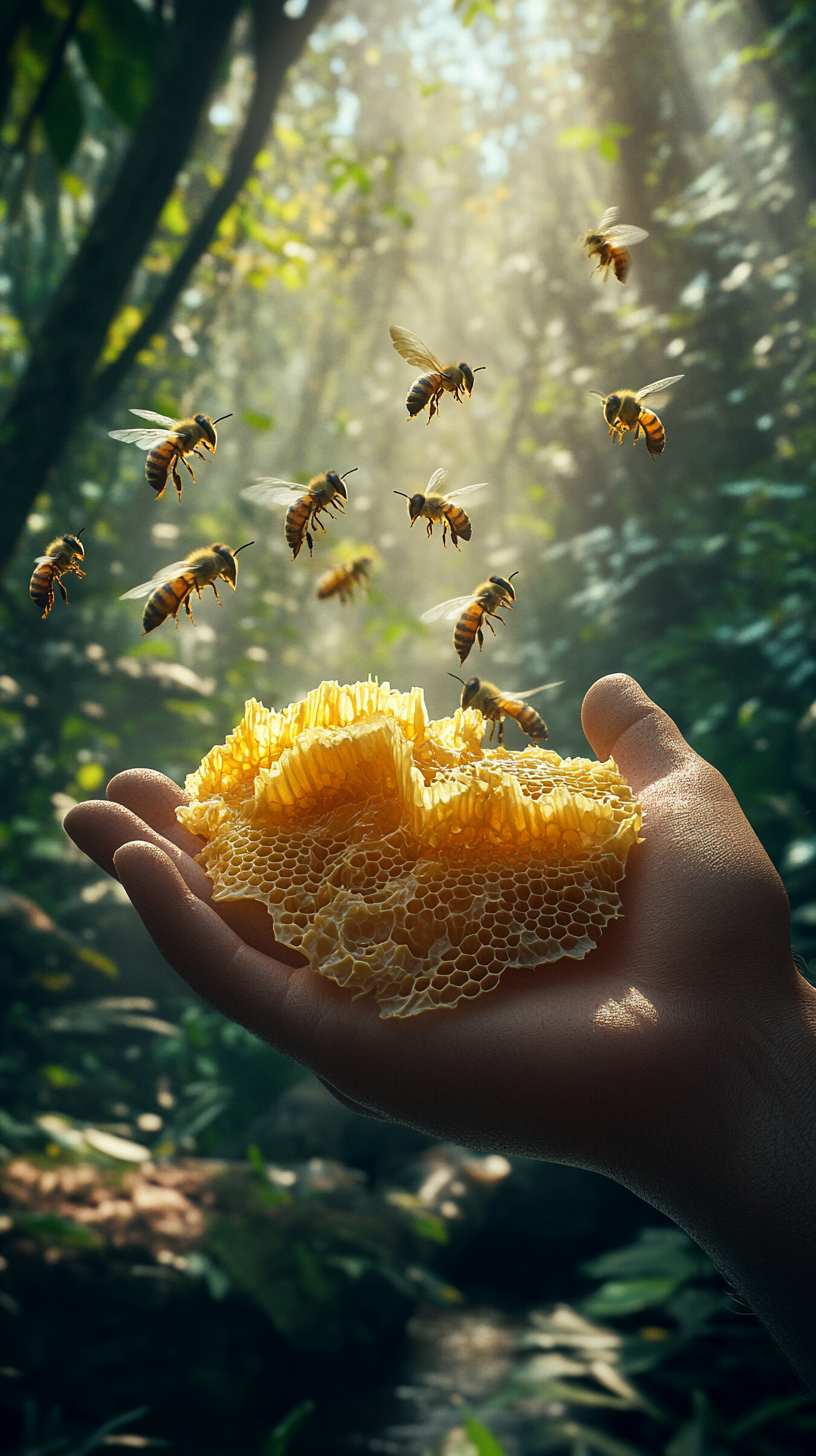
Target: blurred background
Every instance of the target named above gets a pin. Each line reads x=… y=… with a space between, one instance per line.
x=222 y=207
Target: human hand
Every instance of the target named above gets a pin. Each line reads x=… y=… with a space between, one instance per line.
x=673 y=1053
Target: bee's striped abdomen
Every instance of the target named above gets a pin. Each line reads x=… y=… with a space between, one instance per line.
x=467 y=626
x=41 y=586
x=653 y=432
x=423 y=391
x=620 y=260
x=458 y=521
x=531 y=723
x=165 y=602
x=158 y=462
x=295 y=525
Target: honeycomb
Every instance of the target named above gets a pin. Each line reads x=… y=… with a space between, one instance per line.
x=401 y=857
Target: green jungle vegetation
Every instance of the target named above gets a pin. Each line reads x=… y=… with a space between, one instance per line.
x=218 y=206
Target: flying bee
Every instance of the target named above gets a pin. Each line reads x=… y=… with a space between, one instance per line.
x=171 y=444
x=61 y=556
x=456 y=379
x=304 y=502
x=623 y=412
x=436 y=507
x=609 y=243
x=342 y=581
x=496 y=705
x=171 y=588
x=484 y=602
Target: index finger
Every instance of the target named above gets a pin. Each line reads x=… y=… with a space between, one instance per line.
x=154 y=798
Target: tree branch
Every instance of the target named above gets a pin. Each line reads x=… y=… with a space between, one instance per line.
x=50 y=79
x=277 y=43
x=51 y=395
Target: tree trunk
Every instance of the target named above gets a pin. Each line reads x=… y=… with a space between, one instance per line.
x=277 y=44
x=56 y=387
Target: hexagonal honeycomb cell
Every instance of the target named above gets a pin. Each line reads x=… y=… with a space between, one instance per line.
x=402 y=858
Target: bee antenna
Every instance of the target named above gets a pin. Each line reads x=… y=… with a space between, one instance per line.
x=349 y=472
x=402 y=493
x=244 y=547
x=79 y=533
x=512 y=574
x=457 y=679
x=222 y=417
x=597 y=393
x=476 y=370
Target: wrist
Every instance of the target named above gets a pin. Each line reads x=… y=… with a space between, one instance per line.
x=738 y=1170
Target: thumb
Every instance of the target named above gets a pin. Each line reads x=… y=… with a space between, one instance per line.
x=621 y=722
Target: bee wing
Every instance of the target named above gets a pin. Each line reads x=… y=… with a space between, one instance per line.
x=608 y=218
x=449 y=609
x=156 y=419
x=38 y=560
x=456 y=495
x=658 y=385
x=412 y=349
x=624 y=235
x=167 y=573
x=531 y=692
x=142 y=439
x=438 y=478
x=274 y=492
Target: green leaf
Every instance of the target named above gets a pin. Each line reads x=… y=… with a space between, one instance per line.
x=656 y=1253
x=428 y=1226
x=779 y=1405
x=119 y=46
x=278 y=1441
x=627 y=1296
x=480 y=1435
x=52 y=1228
x=63 y=119
x=604 y=140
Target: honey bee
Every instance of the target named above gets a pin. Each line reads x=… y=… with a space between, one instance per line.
x=496 y=705
x=342 y=581
x=169 y=445
x=171 y=588
x=61 y=556
x=436 y=507
x=456 y=379
x=608 y=244
x=623 y=412
x=304 y=502
x=484 y=602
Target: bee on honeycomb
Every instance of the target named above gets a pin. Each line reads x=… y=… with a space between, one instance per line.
x=402 y=858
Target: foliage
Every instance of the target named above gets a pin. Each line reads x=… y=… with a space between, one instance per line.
x=677 y=1383
x=438 y=174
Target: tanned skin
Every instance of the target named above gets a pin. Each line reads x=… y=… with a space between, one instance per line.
x=679 y=1058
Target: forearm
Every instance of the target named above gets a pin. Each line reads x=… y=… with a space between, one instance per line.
x=742 y=1179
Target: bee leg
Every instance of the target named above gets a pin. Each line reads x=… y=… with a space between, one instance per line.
x=489 y=624
x=480 y=638
x=188 y=609
x=454 y=538
x=200 y=456
x=501 y=733
x=309 y=543
x=187 y=467
x=176 y=479
x=429 y=530
x=215 y=594
x=63 y=592
x=444 y=533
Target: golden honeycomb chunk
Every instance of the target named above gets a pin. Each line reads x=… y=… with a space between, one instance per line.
x=401 y=857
